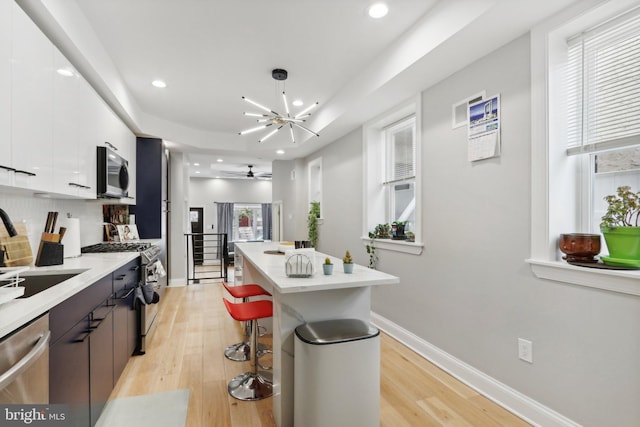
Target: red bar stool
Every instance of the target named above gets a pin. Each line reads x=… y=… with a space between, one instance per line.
x=251 y=385
x=240 y=352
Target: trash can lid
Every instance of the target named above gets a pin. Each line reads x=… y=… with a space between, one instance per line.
x=335 y=331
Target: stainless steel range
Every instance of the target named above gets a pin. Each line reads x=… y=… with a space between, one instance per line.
x=152 y=283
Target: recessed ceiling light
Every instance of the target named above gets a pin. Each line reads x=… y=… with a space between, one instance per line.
x=298 y=103
x=196 y=164
x=219 y=160
x=280 y=152
x=65 y=72
x=378 y=10
x=159 y=83
x=197 y=171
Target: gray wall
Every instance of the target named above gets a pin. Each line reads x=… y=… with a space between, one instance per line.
x=203 y=192
x=470 y=292
x=289 y=187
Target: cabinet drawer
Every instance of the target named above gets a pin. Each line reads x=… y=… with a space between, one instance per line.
x=126 y=278
x=68 y=313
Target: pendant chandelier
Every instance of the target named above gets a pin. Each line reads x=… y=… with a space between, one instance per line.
x=275 y=119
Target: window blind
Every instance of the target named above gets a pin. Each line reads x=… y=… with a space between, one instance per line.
x=603 y=86
x=401 y=151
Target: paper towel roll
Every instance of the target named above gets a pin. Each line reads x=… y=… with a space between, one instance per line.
x=71 y=240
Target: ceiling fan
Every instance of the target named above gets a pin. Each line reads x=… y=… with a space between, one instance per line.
x=249 y=174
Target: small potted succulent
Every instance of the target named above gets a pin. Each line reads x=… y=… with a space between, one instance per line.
x=621 y=227
x=347 y=263
x=327 y=267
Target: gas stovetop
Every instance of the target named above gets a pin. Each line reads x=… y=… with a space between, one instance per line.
x=116 y=247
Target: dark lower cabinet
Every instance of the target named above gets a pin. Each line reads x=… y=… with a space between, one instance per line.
x=100 y=359
x=93 y=336
x=69 y=373
x=125 y=281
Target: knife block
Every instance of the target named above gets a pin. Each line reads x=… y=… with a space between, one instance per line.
x=50 y=253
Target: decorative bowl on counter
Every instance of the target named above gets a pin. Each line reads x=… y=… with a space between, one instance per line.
x=580 y=247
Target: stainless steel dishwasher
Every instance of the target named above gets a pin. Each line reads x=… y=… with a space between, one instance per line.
x=24 y=364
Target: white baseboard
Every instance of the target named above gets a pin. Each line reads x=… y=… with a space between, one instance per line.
x=512 y=400
x=182 y=281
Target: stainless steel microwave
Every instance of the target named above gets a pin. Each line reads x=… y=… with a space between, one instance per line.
x=113 y=174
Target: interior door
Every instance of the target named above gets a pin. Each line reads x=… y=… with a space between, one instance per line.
x=197 y=226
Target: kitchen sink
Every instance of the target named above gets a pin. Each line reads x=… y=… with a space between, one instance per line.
x=36 y=283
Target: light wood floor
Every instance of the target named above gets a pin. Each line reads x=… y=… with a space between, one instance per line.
x=186 y=352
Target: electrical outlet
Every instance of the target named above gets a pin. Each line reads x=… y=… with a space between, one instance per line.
x=525 y=350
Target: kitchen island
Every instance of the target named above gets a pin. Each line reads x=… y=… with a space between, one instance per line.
x=300 y=300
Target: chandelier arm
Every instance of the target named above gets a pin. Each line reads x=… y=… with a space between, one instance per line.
x=257 y=128
x=293 y=139
x=286 y=105
x=307 y=129
x=269 y=135
x=305 y=111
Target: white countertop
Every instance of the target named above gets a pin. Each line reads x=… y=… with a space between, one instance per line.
x=14 y=314
x=273 y=268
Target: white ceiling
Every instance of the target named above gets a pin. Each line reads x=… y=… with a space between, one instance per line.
x=211 y=53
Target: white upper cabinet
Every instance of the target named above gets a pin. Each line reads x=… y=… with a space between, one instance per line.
x=73 y=162
x=6 y=176
x=31 y=104
x=51 y=119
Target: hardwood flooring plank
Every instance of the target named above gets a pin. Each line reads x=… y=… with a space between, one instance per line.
x=186 y=351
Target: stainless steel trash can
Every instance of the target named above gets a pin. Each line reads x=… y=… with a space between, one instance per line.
x=337 y=374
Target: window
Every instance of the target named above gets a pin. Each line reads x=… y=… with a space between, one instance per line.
x=400 y=168
x=391 y=145
x=247 y=222
x=585 y=130
x=603 y=109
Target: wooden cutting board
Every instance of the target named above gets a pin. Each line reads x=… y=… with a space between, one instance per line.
x=17 y=250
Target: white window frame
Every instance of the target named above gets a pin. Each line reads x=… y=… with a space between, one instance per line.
x=314 y=181
x=558 y=198
x=375 y=197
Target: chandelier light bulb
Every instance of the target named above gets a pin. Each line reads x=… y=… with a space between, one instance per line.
x=257 y=128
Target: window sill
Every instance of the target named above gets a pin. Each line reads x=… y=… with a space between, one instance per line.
x=620 y=281
x=413 y=248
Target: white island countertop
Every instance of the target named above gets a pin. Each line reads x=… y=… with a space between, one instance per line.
x=92 y=267
x=272 y=267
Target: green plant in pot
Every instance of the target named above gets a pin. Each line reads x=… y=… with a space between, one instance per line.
x=327 y=267
x=312 y=223
x=621 y=228
x=347 y=263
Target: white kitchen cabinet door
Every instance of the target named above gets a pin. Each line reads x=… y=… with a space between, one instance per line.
x=67 y=119
x=6 y=175
x=88 y=144
x=31 y=104
x=74 y=163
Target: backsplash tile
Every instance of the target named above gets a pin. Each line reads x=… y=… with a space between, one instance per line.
x=33 y=212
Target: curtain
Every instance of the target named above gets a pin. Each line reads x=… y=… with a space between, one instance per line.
x=266 y=221
x=225 y=219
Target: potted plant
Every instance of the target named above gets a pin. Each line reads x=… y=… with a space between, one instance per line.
x=347 y=263
x=327 y=267
x=397 y=228
x=382 y=231
x=620 y=227
x=371 y=251
x=312 y=223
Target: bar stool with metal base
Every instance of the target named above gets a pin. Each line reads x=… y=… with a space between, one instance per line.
x=240 y=352
x=251 y=385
